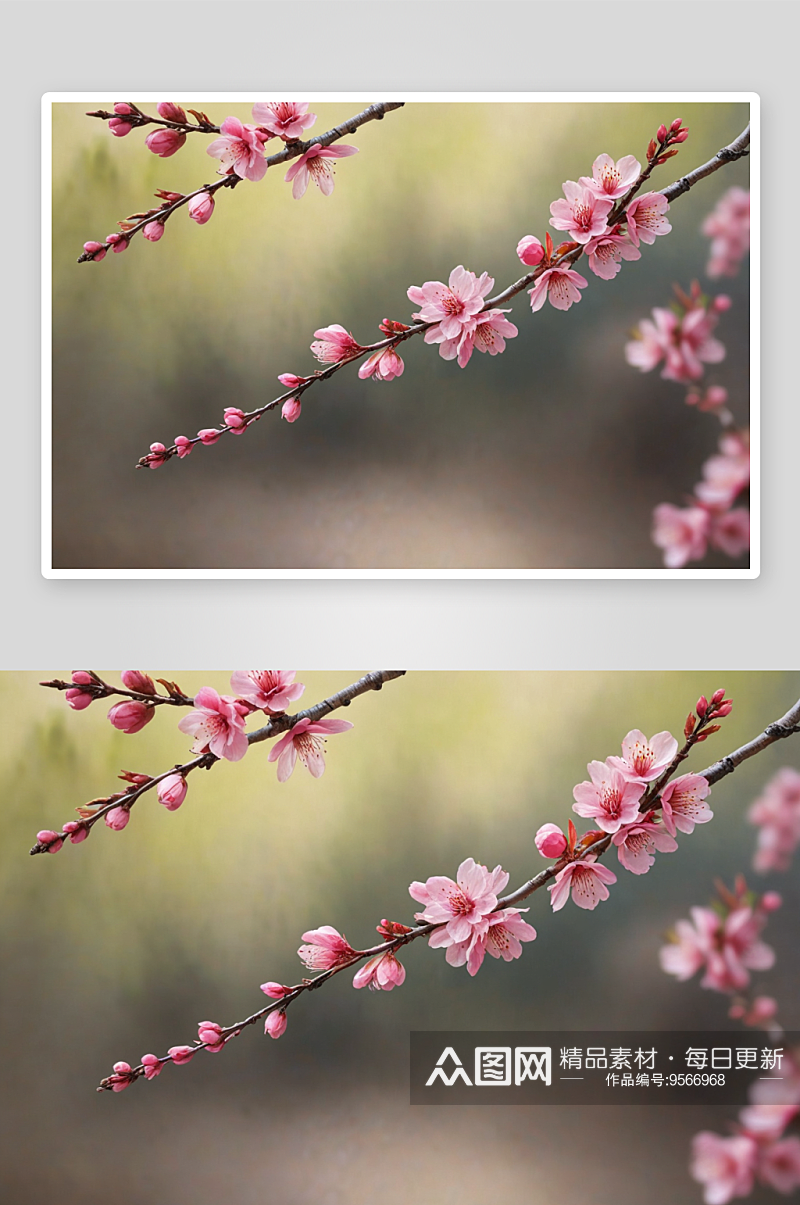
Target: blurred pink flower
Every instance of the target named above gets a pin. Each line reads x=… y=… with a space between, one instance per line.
x=610 y=799
x=326 y=949
x=776 y=813
x=610 y=179
x=637 y=843
x=681 y=533
x=779 y=1165
x=646 y=218
x=682 y=803
x=724 y=1166
x=313 y=165
x=727 y=474
x=767 y=1121
x=269 y=690
x=583 y=214
x=729 y=947
x=730 y=531
x=728 y=225
x=459 y=906
x=586 y=880
x=239 y=149
x=687 y=952
x=560 y=286
x=288 y=119
x=306 y=740
x=381 y=973
x=216 y=724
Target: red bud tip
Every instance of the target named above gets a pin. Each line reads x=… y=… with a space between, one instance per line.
x=688 y=727
x=667 y=155
x=573 y=836
x=548 y=244
x=681 y=136
x=717 y=697
x=702 y=707
x=651 y=148
x=724 y=709
x=676 y=125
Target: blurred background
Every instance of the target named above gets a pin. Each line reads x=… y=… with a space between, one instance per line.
x=552 y=455
x=122 y=945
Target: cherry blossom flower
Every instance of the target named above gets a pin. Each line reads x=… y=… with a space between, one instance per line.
x=170 y=111
x=77 y=832
x=383 y=365
x=646 y=218
x=610 y=179
x=165 y=142
x=134 y=679
x=550 y=841
x=767 y=1121
x=691 y=943
x=117 y=818
x=726 y=475
x=79 y=699
x=326 y=949
x=201 y=207
x=131 y=716
x=118 y=127
x=786 y=1091
x=288 y=119
x=760 y=1013
x=611 y=798
x=314 y=165
x=459 y=906
x=779 y=1165
x=728 y=225
x=381 y=973
x=239 y=150
x=637 y=843
x=182 y=1054
x=586 y=880
x=217 y=725
x=684 y=343
x=644 y=760
x=51 y=839
x=153 y=231
x=153 y=1066
x=559 y=286
x=583 y=214
x=530 y=250
x=183 y=445
x=209 y=1033
x=724 y=1166
x=96 y=251
x=305 y=740
x=681 y=532
x=777 y=814
x=275 y=1024
x=452 y=308
x=729 y=947
x=291 y=409
x=730 y=531
x=682 y=803
x=123 y=1075
x=500 y=935
x=334 y=343
x=268 y=690
x=118 y=242
x=489 y=334
x=171 y=791
x=606 y=253
x=275 y=991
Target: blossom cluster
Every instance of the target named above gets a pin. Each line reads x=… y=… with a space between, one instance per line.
x=682 y=337
x=728 y=227
x=776 y=813
x=757 y=1151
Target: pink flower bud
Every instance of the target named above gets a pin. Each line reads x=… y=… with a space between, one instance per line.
x=771 y=901
x=122 y=107
x=201 y=207
x=134 y=679
x=118 y=242
x=550 y=841
x=721 y=303
x=208 y=1032
x=718 y=696
x=182 y=1054
x=661 y=133
x=723 y=710
x=291 y=409
x=681 y=136
x=702 y=707
x=77 y=831
x=171 y=791
x=50 y=839
x=118 y=127
x=170 y=111
x=165 y=142
x=290 y=380
x=209 y=435
x=157 y=455
x=234 y=418
x=78 y=699
x=275 y=1024
x=153 y=231
x=716 y=395
x=121 y=1077
x=676 y=125
x=96 y=251
x=152 y=1066
x=276 y=991
x=184 y=445
x=530 y=250
x=117 y=818
x=130 y=716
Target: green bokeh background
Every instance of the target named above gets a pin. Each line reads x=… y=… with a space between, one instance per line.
x=121 y=945
x=552 y=455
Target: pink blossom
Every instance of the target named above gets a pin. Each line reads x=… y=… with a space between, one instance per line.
x=767 y=1121
x=286 y=118
x=681 y=533
x=209 y=1033
x=153 y=231
x=291 y=409
x=118 y=242
x=136 y=680
x=500 y=935
x=182 y=1054
x=684 y=343
x=724 y=1166
x=275 y=991
x=459 y=906
x=610 y=179
x=314 y=165
x=787 y=1090
x=383 y=365
x=728 y=947
x=726 y=475
x=170 y=111
x=646 y=218
x=306 y=740
x=183 y=445
x=131 y=716
x=682 y=803
x=123 y=1075
x=79 y=699
x=209 y=436
x=637 y=843
x=326 y=949
x=779 y=1165
x=291 y=380
x=157 y=455
x=559 y=286
x=117 y=818
x=759 y=1013
x=118 y=127
x=275 y=1024
x=239 y=150
x=234 y=418
x=730 y=531
x=165 y=142
x=334 y=343
x=583 y=214
x=489 y=333
x=171 y=791
x=611 y=798
x=152 y=1066
x=201 y=207
x=686 y=953
x=51 y=839
x=586 y=880
x=268 y=690
x=607 y=252
x=216 y=724
x=452 y=308
x=381 y=973
x=550 y=841
x=644 y=760
x=77 y=831
x=96 y=251
x=777 y=814
x=530 y=250
x=728 y=225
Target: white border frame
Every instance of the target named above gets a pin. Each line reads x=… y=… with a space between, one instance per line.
x=751 y=98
